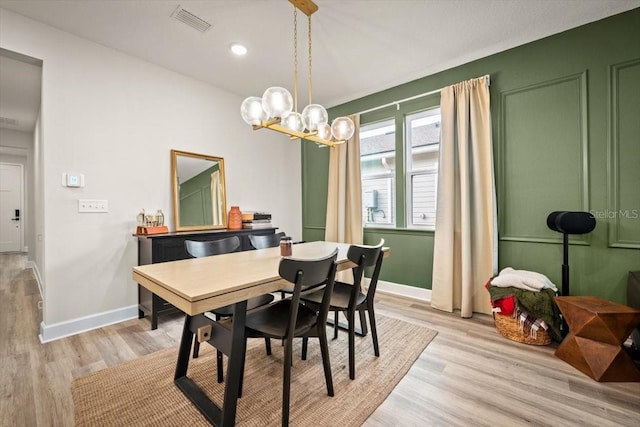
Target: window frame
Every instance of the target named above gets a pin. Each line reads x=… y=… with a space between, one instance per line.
x=398 y=113
x=410 y=172
x=393 y=188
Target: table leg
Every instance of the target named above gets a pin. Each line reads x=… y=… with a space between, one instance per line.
x=184 y=349
x=226 y=416
x=235 y=367
x=362 y=331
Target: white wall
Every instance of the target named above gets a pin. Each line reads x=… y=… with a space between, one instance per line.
x=114 y=118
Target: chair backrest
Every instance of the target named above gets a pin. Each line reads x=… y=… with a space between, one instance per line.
x=309 y=273
x=261 y=241
x=365 y=256
x=198 y=249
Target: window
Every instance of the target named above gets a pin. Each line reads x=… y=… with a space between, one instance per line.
x=378 y=166
x=423 y=143
x=411 y=202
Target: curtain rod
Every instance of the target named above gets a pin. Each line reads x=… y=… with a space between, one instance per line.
x=411 y=98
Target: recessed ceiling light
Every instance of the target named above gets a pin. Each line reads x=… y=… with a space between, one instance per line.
x=238 y=49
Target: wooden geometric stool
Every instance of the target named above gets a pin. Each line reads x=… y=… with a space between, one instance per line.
x=597 y=330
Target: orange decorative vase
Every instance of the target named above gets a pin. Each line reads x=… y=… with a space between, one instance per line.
x=235 y=218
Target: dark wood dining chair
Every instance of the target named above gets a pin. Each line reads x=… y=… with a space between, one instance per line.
x=288 y=319
x=263 y=241
x=198 y=249
x=349 y=298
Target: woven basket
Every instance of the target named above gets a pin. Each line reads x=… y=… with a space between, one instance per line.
x=509 y=327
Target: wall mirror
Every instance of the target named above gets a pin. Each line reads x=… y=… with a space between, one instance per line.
x=199 y=200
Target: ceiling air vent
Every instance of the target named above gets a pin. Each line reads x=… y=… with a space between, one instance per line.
x=5 y=121
x=186 y=17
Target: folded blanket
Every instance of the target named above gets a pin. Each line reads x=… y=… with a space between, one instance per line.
x=523 y=279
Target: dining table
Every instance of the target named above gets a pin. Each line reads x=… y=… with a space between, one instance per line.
x=198 y=285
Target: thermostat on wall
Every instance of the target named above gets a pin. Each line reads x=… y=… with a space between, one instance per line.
x=72 y=180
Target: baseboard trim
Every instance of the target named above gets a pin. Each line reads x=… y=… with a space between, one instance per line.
x=67 y=328
x=406 y=291
x=36 y=273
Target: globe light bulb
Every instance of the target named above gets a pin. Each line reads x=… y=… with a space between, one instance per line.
x=251 y=110
x=277 y=102
x=314 y=115
x=324 y=131
x=342 y=128
x=293 y=121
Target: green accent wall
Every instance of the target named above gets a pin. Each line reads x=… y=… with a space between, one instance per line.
x=566 y=131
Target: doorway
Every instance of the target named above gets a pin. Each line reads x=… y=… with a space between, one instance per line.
x=11 y=207
x=21 y=217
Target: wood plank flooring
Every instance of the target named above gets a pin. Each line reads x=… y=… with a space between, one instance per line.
x=468 y=376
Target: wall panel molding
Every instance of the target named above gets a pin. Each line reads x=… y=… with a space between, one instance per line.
x=516 y=218
x=314 y=191
x=621 y=97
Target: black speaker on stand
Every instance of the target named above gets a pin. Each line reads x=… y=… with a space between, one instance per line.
x=567 y=222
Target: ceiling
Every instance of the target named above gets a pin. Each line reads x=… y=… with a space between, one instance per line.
x=359 y=46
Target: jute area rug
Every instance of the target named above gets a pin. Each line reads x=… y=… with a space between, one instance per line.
x=142 y=393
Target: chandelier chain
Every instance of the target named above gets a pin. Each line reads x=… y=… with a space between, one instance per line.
x=295 y=59
x=310 y=77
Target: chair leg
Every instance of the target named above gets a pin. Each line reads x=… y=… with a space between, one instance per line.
x=286 y=381
x=351 y=319
x=374 y=331
x=335 y=324
x=219 y=358
x=267 y=346
x=219 y=366
x=196 y=347
x=305 y=343
x=363 y=323
x=326 y=362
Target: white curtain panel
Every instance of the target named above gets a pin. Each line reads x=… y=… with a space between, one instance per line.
x=344 y=198
x=465 y=246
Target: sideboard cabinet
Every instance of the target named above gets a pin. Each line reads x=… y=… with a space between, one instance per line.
x=158 y=248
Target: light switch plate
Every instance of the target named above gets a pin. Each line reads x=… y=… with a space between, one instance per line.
x=93 y=205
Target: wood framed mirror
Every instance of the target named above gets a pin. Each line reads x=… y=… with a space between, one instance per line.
x=199 y=194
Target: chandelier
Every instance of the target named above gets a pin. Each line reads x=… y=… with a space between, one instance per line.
x=278 y=110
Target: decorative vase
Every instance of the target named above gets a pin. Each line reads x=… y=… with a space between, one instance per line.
x=160 y=217
x=235 y=218
x=141 y=217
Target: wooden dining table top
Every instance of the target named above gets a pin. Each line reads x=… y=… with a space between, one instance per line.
x=198 y=285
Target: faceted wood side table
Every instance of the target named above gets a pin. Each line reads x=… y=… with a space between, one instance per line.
x=597 y=329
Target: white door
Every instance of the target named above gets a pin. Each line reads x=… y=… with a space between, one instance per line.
x=11 y=211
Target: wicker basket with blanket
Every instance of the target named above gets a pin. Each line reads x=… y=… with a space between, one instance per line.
x=524 y=307
x=512 y=328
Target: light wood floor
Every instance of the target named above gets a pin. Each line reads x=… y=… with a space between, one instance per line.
x=468 y=376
